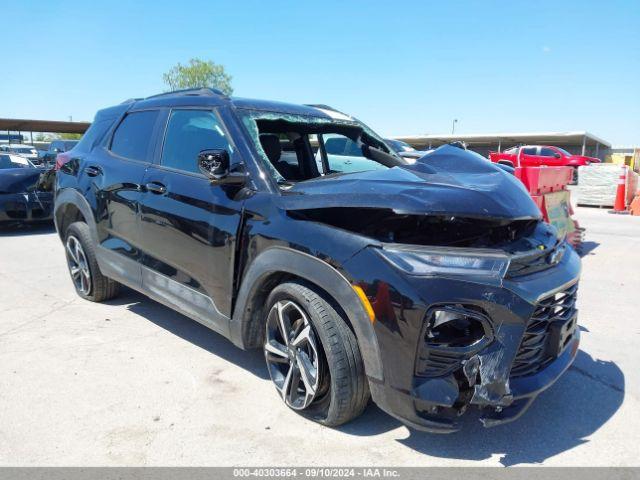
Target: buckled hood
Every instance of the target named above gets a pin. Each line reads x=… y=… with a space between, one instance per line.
x=449 y=181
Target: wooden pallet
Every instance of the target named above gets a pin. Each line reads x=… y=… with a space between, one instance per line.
x=593 y=206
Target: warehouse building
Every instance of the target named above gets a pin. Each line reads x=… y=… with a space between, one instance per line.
x=583 y=143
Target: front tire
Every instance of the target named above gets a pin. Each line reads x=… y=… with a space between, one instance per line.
x=85 y=273
x=313 y=356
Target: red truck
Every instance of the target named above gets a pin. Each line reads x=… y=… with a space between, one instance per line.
x=540 y=155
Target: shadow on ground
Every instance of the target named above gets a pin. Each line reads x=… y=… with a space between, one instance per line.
x=192 y=331
x=563 y=417
x=18 y=230
x=587 y=248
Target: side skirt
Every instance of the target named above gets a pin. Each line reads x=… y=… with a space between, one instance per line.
x=162 y=289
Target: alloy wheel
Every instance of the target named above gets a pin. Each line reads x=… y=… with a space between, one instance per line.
x=291 y=352
x=78 y=265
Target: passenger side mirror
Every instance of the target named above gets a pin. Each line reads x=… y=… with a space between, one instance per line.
x=557 y=155
x=215 y=164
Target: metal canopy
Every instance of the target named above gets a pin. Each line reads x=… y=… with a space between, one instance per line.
x=53 y=126
x=575 y=138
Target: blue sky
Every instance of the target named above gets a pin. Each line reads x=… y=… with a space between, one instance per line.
x=402 y=67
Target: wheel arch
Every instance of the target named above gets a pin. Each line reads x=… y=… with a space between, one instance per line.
x=71 y=206
x=279 y=264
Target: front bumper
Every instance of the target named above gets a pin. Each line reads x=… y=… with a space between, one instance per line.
x=414 y=408
x=492 y=379
x=26 y=207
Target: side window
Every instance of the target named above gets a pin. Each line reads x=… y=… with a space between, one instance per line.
x=529 y=151
x=188 y=133
x=344 y=156
x=547 y=152
x=132 y=138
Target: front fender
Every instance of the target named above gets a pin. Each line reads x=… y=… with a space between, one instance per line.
x=286 y=260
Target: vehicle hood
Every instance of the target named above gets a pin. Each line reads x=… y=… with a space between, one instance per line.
x=449 y=181
x=19 y=180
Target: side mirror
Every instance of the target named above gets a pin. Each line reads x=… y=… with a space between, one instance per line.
x=215 y=164
x=557 y=155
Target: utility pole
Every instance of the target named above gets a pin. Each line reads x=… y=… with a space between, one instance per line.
x=453 y=126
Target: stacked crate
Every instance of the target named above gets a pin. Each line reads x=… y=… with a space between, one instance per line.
x=597 y=184
x=548 y=188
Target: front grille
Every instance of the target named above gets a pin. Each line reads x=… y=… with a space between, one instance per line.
x=548 y=331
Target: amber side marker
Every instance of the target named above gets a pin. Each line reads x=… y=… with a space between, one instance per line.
x=365 y=302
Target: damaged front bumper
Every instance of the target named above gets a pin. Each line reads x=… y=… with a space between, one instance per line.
x=26 y=207
x=429 y=406
x=527 y=336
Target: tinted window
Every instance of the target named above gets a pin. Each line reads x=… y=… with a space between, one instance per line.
x=188 y=133
x=547 y=152
x=529 y=150
x=132 y=138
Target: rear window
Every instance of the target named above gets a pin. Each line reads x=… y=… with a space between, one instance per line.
x=13 y=161
x=132 y=138
x=93 y=135
x=24 y=150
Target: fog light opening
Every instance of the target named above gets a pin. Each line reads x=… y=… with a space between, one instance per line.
x=456 y=328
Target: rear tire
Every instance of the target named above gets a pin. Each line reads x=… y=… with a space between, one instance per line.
x=328 y=383
x=85 y=273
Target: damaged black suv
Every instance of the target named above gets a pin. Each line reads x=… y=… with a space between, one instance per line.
x=430 y=287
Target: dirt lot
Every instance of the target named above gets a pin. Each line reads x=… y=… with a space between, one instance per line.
x=133 y=383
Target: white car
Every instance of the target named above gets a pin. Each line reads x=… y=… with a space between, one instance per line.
x=26 y=151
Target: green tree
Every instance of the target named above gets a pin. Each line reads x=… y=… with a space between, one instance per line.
x=198 y=74
x=70 y=136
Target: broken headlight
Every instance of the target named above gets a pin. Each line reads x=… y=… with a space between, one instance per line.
x=441 y=262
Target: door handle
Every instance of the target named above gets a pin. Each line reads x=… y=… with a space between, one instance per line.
x=155 y=187
x=93 y=171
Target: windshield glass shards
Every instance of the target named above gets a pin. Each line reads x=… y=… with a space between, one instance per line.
x=295 y=148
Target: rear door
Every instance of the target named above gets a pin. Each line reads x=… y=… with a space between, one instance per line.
x=189 y=226
x=115 y=173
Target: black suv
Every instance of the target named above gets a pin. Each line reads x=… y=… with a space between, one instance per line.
x=430 y=287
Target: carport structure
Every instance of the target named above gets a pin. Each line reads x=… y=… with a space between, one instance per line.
x=580 y=142
x=30 y=126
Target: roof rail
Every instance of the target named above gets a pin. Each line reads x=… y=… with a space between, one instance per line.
x=320 y=105
x=187 y=92
x=130 y=100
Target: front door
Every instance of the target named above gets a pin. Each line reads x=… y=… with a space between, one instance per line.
x=189 y=227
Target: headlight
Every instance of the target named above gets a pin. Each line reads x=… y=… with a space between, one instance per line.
x=435 y=262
